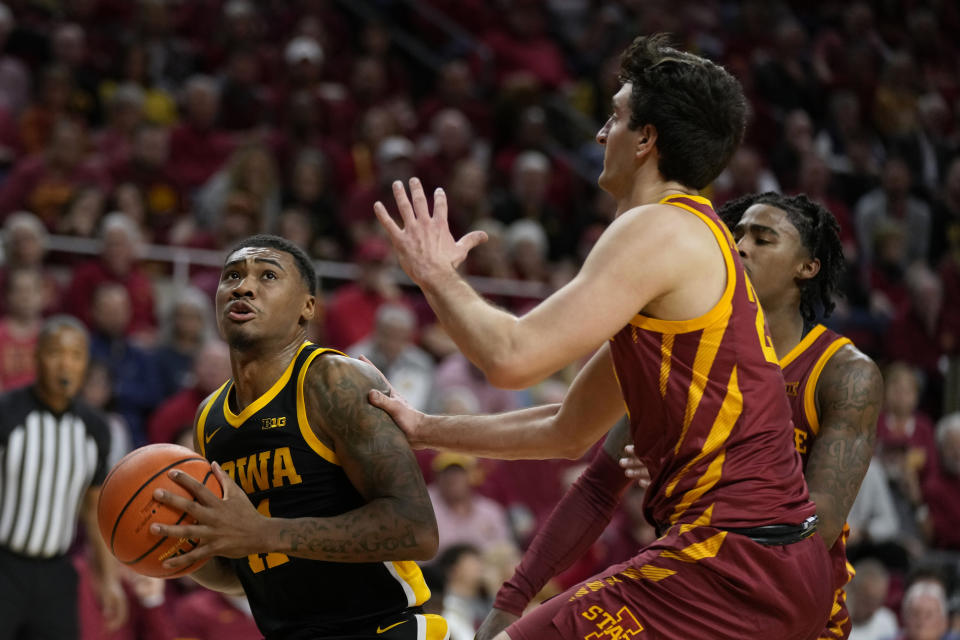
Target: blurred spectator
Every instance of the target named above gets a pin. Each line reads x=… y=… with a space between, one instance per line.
x=523 y=54
x=118 y=263
x=395 y=158
x=926 y=147
x=744 y=174
x=895 y=103
x=114 y=142
x=795 y=143
x=175 y=415
x=946 y=214
x=467 y=199
x=391 y=349
x=456 y=372
x=462 y=568
x=787 y=80
x=464 y=516
x=243 y=103
x=211 y=615
x=252 y=171
x=68 y=47
x=925 y=612
x=310 y=190
x=892 y=202
x=198 y=147
x=450 y=141
x=14 y=76
x=188 y=325
x=353 y=307
x=814 y=180
x=24 y=247
x=456 y=88
x=527 y=199
x=915 y=336
x=148 y=612
x=940 y=489
x=139 y=67
x=51 y=104
x=98 y=393
x=45 y=182
x=150 y=170
x=873 y=516
x=20 y=326
x=81 y=216
x=136 y=385
x=866 y=595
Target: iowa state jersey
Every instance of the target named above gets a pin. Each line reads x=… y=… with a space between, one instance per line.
x=707 y=410
x=802 y=367
x=801 y=372
x=270 y=450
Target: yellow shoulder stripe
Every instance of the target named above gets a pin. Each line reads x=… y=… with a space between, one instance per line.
x=810 y=392
x=306 y=430
x=202 y=422
x=802 y=346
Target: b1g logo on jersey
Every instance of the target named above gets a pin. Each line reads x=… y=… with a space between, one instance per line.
x=273 y=423
x=613 y=627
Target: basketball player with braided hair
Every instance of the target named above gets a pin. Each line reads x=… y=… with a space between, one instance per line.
x=791 y=248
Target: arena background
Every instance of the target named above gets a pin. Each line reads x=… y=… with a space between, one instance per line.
x=139 y=139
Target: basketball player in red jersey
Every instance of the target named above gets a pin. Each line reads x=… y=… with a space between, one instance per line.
x=791 y=249
x=677 y=337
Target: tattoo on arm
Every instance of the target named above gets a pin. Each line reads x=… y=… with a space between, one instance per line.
x=850 y=394
x=397 y=522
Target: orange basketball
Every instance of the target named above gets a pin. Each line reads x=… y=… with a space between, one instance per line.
x=127 y=507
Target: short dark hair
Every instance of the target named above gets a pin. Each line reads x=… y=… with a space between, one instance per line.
x=53 y=324
x=820 y=235
x=696 y=106
x=300 y=257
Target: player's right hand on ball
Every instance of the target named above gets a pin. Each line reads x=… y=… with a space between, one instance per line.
x=634 y=468
x=495 y=622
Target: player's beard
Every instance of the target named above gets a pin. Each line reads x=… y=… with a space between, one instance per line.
x=240 y=341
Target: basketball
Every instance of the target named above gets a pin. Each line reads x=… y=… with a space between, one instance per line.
x=127 y=508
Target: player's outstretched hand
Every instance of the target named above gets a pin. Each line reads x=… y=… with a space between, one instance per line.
x=495 y=622
x=229 y=527
x=425 y=247
x=633 y=468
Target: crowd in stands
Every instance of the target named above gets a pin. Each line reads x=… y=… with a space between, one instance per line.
x=194 y=123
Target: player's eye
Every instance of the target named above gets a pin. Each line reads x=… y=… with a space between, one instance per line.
x=269 y=275
x=231 y=275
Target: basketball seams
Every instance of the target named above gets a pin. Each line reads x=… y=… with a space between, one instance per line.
x=116 y=522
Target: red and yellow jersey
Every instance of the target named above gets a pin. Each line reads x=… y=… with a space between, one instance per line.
x=801 y=373
x=707 y=410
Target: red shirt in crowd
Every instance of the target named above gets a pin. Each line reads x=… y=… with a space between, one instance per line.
x=208 y=615
x=174 y=416
x=78 y=299
x=17 y=363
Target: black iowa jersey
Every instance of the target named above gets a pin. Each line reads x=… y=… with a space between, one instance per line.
x=270 y=450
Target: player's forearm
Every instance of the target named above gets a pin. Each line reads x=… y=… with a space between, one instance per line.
x=487 y=336
x=218 y=575
x=576 y=522
x=384 y=529
x=525 y=434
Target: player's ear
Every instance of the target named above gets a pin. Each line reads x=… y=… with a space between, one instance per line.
x=808 y=269
x=309 y=308
x=646 y=140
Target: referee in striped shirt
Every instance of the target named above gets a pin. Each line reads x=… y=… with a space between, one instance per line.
x=53 y=452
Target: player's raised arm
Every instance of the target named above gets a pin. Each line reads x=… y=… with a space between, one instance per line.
x=590 y=408
x=397 y=522
x=849 y=393
x=633 y=263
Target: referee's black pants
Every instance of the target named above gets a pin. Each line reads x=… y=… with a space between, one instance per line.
x=38 y=598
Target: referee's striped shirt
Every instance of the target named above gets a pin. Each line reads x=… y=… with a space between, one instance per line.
x=47 y=463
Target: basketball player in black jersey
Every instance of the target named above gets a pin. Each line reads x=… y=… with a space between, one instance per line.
x=324 y=507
